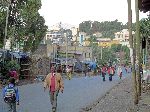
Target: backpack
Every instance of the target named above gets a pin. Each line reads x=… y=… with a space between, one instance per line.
x=10 y=94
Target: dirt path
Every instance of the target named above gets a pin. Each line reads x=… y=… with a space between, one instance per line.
x=120 y=99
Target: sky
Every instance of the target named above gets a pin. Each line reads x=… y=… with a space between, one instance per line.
x=76 y=11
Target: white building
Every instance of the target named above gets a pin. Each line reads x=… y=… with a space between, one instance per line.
x=8 y=44
x=123 y=37
x=74 y=33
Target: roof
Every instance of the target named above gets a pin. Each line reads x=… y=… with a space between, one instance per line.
x=144 y=5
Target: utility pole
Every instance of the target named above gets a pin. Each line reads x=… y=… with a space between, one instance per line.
x=138 y=49
x=101 y=52
x=66 y=49
x=76 y=40
x=134 y=82
x=146 y=54
x=75 y=48
x=6 y=25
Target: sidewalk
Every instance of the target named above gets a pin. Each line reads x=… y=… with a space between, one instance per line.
x=120 y=99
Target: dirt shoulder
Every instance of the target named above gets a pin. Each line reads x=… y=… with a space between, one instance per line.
x=120 y=99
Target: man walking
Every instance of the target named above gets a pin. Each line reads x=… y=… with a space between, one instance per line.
x=111 y=72
x=54 y=83
x=103 y=71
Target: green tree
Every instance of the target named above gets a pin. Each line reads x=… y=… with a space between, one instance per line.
x=25 y=23
x=107 y=28
x=85 y=27
x=145 y=27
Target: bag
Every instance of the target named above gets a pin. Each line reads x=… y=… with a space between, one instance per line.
x=111 y=71
x=10 y=95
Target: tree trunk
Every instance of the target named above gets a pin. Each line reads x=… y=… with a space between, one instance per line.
x=134 y=75
x=138 y=49
x=132 y=52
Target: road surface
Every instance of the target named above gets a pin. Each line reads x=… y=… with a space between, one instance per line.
x=78 y=93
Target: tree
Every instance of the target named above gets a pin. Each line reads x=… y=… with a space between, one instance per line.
x=107 y=28
x=145 y=27
x=85 y=27
x=132 y=48
x=25 y=23
x=138 y=60
x=145 y=33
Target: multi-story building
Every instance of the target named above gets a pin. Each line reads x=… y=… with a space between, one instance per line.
x=74 y=33
x=54 y=36
x=123 y=37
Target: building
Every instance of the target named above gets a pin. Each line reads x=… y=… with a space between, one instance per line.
x=104 y=42
x=8 y=44
x=54 y=36
x=56 y=51
x=123 y=37
x=74 y=33
x=144 y=5
x=97 y=34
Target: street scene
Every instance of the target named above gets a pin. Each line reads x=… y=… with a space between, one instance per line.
x=78 y=93
x=58 y=58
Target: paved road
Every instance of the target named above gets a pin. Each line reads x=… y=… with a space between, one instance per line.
x=78 y=93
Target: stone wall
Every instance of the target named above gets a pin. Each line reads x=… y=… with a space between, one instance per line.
x=40 y=64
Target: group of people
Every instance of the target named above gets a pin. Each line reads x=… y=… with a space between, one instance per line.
x=111 y=70
x=53 y=82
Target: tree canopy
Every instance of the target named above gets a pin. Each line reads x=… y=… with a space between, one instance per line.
x=107 y=28
x=25 y=25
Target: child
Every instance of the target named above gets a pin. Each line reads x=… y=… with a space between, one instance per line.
x=11 y=95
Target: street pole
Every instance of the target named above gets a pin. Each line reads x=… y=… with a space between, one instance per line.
x=146 y=54
x=75 y=49
x=66 y=49
x=138 y=49
x=6 y=25
x=132 y=52
x=101 y=53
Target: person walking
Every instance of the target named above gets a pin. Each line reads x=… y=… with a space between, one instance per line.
x=11 y=95
x=13 y=74
x=103 y=71
x=111 y=72
x=85 y=69
x=68 y=71
x=119 y=72
x=54 y=83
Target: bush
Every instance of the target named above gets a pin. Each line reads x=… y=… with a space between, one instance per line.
x=12 y=65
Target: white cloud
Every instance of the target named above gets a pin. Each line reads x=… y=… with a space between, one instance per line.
x=76 y=11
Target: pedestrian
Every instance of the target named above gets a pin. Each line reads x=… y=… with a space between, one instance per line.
x=13 y=74
x=99 y=70
x=111 y=72
x=85 y=69
x=54 y=83
x=68 y=71
x=11 y=95
x=126 y=69
x=119 y=72
x=103 y=71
